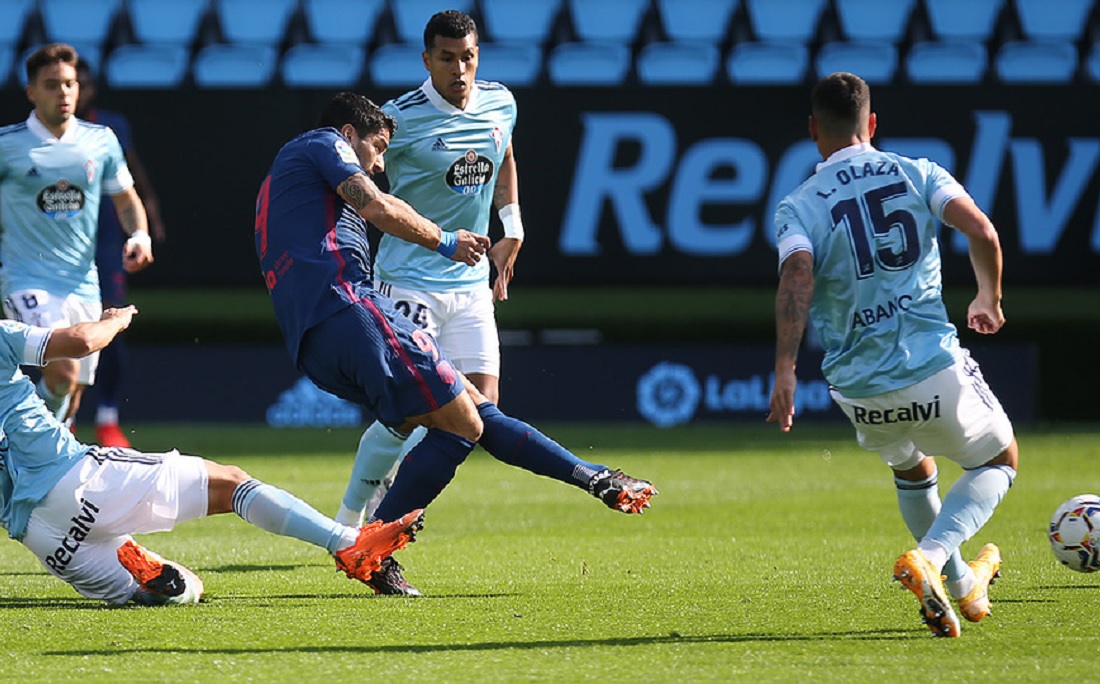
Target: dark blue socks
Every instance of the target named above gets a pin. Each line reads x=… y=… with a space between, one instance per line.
x=427 y=469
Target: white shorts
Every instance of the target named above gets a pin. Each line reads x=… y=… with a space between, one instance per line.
x=462 y=323
x=108 y=495
x=952 y=414
x=44 y=310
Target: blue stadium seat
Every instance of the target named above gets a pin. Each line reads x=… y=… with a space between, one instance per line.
x=519 y=21
x=78 y=21
x=947 y=62
x=398 y=65
x=513 y=64
x=696 y=20
x=768 y=63
x=235 y=66
x=963 y=19
x=678 y=64
x=91 y=53
x=790 y=20
x=330 y=65
x=1036 y=62
x=410 y=16
x=874 y=19
x=615 y=21
x=1053 y=19
x=875 y=62
x=13 y=19
x=350 y=22
x=254 y=22
x=589 y=64
x=147 y=66
x=167 y=22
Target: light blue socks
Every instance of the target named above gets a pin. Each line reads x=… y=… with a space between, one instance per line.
x=280 y=512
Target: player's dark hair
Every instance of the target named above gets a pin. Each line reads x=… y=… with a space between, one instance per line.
x=357 y=110
x=838 y=102
x=448 y=24
x=53 y=53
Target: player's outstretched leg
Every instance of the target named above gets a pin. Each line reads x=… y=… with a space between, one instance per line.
x=986 y=567
x=375 y=543
x=379 y=450
x=161 y=581
x=519 y=444
x=919 y=576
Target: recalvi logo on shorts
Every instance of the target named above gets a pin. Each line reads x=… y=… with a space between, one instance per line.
x=914 y=412
x=82 y=525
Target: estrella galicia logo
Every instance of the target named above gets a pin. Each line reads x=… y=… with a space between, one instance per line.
x=62 y=200
x=470 y=173
x=306 y=405
x=668 y=394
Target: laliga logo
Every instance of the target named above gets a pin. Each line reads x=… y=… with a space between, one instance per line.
x=668 y=394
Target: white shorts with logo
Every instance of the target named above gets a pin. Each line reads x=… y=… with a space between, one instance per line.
x=952 y=414
x=462 y=323
x=42 y=309
x=107 y=496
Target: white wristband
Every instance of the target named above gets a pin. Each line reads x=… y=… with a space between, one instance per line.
x=141 y=238
x=510 y=219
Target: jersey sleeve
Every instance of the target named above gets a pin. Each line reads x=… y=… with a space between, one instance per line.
x=790 y=235
x=941 y=187
x=333 y=158
x=116 y=174
x=22 y=344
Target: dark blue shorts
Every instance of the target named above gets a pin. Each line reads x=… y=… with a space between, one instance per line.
x=108 y=259
x=370 y=354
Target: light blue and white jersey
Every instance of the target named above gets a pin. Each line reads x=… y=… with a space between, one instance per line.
x=870 y=219
x=50 y=191
x=35 y=450
x=444 y=162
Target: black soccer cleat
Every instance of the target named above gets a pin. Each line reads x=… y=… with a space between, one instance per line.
x=620 y=491
x=388 y=580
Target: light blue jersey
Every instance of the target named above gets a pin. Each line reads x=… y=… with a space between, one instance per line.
x=870 y=220
x=444 y=161
x=50 y=191
x=35 y=450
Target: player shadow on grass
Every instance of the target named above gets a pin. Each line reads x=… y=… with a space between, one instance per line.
x=674 y=638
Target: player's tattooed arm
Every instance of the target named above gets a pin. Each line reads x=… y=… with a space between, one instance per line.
x=358 y=190
x=506 y=190
x=137 y=253
x=792 y=304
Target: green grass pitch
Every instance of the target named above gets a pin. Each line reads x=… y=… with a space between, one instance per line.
x=766 y=557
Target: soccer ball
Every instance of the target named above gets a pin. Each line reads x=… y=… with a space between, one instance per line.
x=1075 y=533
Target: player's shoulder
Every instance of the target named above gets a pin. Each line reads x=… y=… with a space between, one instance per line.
x=401 y=104
x=494 y=92
x=13 y=129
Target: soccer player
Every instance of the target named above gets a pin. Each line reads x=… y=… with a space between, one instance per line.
x=858 y=255
x=109 y=247
x=75 y=506
x=350 y=340
x=54 y=168
x=452 y=159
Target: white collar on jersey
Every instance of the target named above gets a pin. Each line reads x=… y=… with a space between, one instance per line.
x=442 y=105
x=39 y=129
x=846 y=153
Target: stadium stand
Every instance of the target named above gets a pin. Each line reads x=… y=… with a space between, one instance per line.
x=563 y=42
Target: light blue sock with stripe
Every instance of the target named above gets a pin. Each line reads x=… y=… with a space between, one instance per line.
x=968 y=506
x=280 y=512
x=919 y=503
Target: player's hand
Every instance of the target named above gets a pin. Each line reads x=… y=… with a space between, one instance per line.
x=470 y=247
x=123 y=315
x=985 y=316
x=137 y=253
x=504 y=255
x=782 y=401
